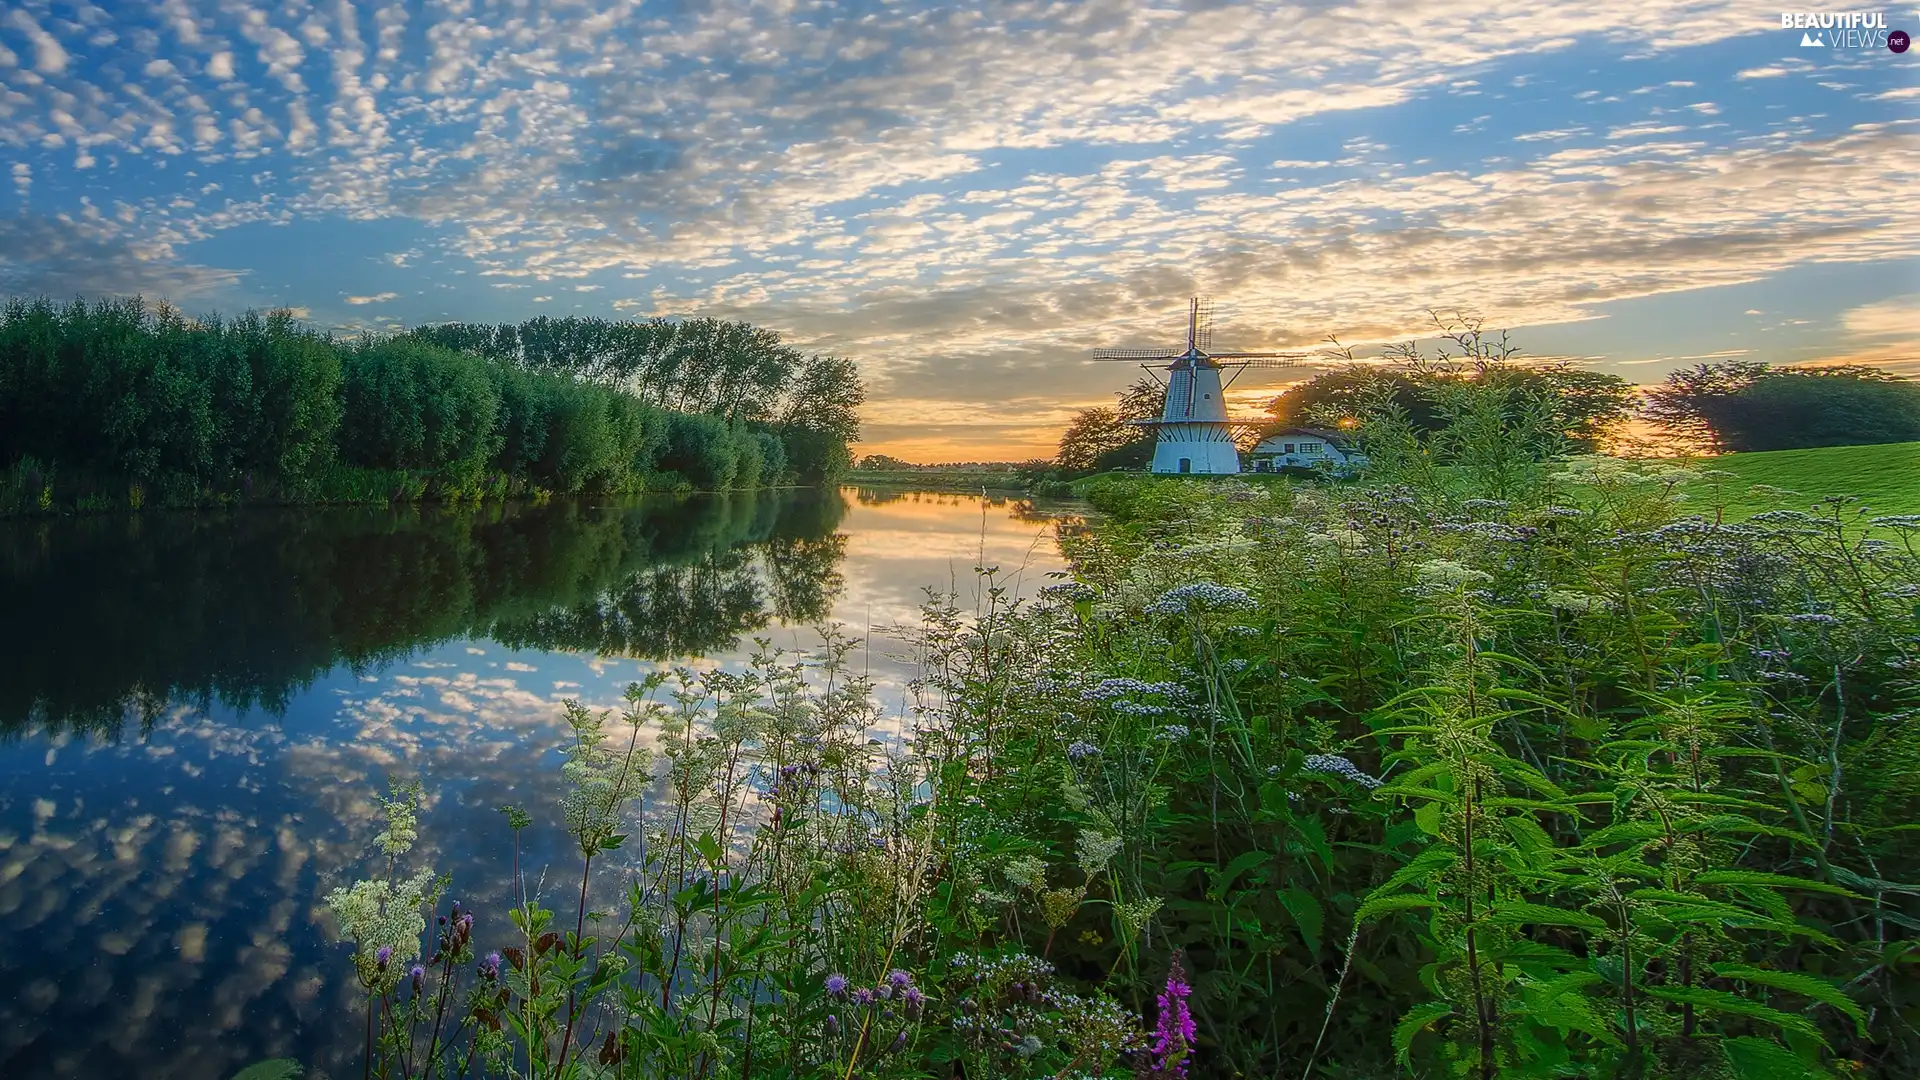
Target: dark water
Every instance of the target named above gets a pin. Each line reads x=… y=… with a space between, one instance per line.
x=198 y=713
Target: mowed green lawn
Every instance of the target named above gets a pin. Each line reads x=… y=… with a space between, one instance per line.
x=1885 y=479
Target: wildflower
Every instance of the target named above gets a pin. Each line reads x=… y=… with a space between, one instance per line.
x=1339 y=766
x=1057 y=906
x=1201 y=596
x=900 y=1040
x=1081 y=751
x=1096 y=850
x=836 y=984
x=490 y=966
x=833 y=1024
x=1028 y=1046
x=914 y=1001
x=899 y=979
x=383 y=954
x=1027 y=872
x=418 y=975
x=1577 y=602
x=1173 y=1033
x=1172 y=733
x=1448 y=572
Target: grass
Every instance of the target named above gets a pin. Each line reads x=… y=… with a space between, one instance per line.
x=1886 y=479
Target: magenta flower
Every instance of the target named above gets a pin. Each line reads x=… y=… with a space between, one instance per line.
x=1173 y=1034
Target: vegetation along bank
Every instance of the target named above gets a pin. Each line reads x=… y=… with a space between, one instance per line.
x=119 y=404
x=1502 y=762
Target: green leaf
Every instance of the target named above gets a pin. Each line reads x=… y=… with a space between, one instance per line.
x=1241 y=863
x=1428 y=818
x=1381 y=905
x=1721 y=1001
x=1419 y=869
x=612 y=843
x=1307 y=914
x=1794 y=982
x=1315 y=834
x=1763 y=1059
x=1414 y=1023
x=1771 y=881
x=1514 y=913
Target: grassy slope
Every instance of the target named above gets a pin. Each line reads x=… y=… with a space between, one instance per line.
x=936 y=479
x=1886 y=478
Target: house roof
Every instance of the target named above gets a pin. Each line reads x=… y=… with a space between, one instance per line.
x=1338 y=438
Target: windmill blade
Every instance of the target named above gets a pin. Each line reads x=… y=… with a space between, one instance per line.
x=1264 y=360
x=1135 y=354
x=1203 y=323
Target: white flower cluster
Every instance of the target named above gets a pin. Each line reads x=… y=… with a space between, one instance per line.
x=1026 y=871
x=1071 y=592
x=1448 y=572
x=385 y=922
x=1095 y=850
x=1201 y=596
x=1574 y=601
x=1336 y=765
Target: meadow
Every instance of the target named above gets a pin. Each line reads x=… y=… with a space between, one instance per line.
x=1884 y=478
x=1503 y=763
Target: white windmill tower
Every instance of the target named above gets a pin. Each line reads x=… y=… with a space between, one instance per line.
x=1195 y=434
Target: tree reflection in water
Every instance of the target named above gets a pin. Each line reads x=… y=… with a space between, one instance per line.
x=110 y=619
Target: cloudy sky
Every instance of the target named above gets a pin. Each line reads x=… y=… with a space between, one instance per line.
x=967 y=197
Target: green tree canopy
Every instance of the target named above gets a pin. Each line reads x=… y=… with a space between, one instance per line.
x=1743 y=405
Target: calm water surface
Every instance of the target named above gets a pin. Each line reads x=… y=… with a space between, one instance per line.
x=198 y=713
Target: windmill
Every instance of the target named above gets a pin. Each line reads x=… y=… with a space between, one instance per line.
x=1195 y=435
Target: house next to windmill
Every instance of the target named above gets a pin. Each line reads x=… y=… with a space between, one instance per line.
x=1194 y=433
x=1306 y=448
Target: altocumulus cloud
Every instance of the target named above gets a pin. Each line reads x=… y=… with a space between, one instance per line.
x=954 y=193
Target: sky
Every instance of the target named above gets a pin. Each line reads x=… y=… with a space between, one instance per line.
x=968 y=198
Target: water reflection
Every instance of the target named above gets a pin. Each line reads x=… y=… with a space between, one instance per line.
x=159 y=878
x=120 y=615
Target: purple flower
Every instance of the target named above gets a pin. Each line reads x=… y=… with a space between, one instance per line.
x=900 y=1040
x=864 y=996
x=833 y=1024
x=836 y=984
x=914 y=999
x=1080 y=751
x=490 y=967
x=899 y=979
x=419 y=977
x=1173 y=1034
x=382 y=955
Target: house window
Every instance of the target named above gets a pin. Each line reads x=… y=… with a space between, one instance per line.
x=1289 y=448
x=1309 y=447
x=1186 y=464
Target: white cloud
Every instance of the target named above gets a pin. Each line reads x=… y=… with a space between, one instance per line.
x=376 y=298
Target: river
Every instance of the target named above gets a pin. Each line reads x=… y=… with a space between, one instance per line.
x=199 y=713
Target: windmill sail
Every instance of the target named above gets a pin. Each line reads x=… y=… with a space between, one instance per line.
x=1195 y=435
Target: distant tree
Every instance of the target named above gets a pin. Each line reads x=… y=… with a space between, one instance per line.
x=883 y=463
x=1111 y=438
x=1694 y=403
x=1584 y=404
x=1752 y=406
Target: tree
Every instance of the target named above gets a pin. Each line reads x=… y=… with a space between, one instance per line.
x=1694 y=402
x=1752 y=406
x=1584 y=405
x=1103 y=438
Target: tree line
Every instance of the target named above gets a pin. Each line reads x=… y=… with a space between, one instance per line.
x=1724 y=407
x=119 y=402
